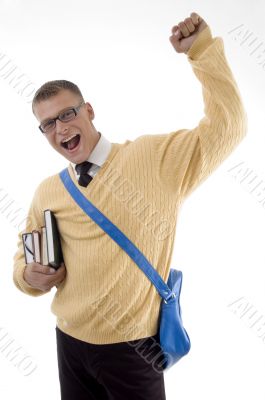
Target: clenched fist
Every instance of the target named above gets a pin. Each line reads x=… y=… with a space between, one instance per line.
x=43 y=277
x=185 y=33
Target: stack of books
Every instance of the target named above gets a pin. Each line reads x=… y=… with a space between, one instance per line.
x=44 y=247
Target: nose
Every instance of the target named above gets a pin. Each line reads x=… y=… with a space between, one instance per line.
x=61 y=127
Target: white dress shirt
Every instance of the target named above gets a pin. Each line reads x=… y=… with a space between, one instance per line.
x=98 y=156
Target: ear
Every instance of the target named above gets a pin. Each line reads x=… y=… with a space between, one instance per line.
x=90 y=110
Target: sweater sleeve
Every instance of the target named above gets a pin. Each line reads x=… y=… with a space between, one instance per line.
x=33 y=221
x=185 y=158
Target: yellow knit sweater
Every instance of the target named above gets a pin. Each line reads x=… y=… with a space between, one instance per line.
x=105 y=297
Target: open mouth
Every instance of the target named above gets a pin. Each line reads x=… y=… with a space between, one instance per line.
x=72 y=143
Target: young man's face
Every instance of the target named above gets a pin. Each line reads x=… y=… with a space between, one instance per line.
x=81 y=124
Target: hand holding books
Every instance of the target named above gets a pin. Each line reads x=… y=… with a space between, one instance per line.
x=43 y=251
x=43 y=277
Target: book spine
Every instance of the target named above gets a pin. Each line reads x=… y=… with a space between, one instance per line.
x=36 y=245
x=49 y=238
x=44 y=250
x=55 y=256
x=28 y=247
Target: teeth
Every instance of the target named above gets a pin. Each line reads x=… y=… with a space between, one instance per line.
x=69 y=138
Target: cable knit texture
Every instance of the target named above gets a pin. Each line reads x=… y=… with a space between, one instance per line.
x=105 y=297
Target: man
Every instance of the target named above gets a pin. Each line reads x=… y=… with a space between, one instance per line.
x=104 y=303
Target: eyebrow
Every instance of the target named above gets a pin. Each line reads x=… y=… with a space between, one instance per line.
x=48 y=119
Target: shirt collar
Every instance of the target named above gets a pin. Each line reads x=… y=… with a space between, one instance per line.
x=99 y=153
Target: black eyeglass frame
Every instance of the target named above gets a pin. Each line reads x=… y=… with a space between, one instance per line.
x=74 y=109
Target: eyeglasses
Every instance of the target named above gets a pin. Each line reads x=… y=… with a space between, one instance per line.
x=64 y=116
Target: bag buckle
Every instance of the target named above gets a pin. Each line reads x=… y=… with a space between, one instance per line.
x=173 y=296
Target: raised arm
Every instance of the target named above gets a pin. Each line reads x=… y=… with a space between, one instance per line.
x=185 y=158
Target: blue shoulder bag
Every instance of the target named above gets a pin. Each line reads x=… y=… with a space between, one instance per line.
x=173 y=338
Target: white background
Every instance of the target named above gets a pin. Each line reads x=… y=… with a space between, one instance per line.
x=119 y=54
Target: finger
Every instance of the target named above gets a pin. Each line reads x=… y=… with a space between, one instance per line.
x=176 y=34
x=195 y=18
x=175 y=29
x=58 y=276
x=183 y=29
x=175 y=41
x=49 y=280
x=189 y=24
x=58 y=282
x=43 y=269
x=62 y=267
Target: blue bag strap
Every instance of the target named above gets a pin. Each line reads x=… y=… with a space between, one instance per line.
x=116 y=234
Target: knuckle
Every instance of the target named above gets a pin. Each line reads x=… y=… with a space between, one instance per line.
x=194 y=16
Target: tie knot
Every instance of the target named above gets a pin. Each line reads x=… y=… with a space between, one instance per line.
x=83 y=167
